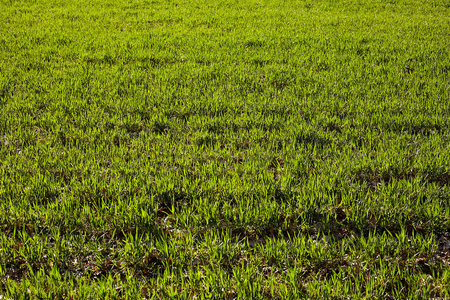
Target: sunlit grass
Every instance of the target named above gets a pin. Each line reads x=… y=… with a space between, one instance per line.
x=280 y=149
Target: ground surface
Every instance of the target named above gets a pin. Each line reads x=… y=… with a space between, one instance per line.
x=234 y=149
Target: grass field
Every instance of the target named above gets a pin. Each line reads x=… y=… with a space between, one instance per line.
x=224 y=149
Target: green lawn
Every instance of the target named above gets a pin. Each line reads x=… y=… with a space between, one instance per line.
x=224 y=149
